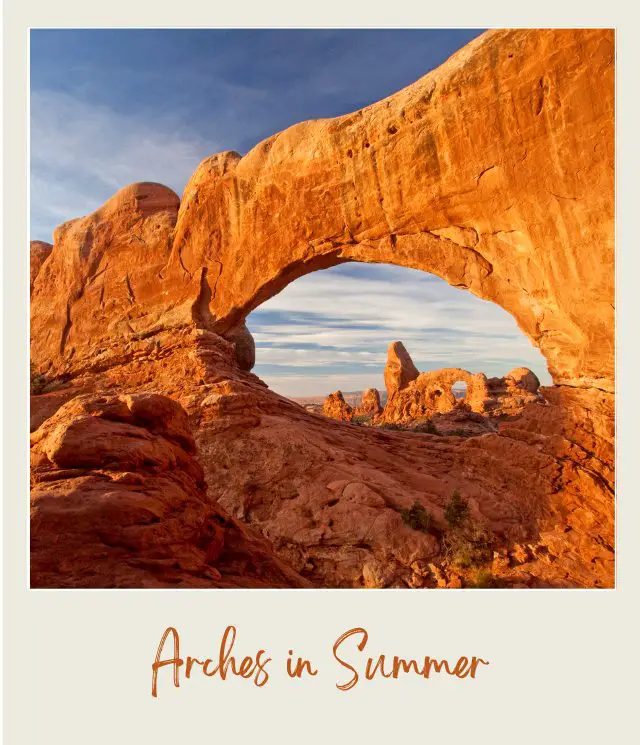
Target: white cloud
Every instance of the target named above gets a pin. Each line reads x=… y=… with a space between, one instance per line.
x=82 y=153
x=441 y=326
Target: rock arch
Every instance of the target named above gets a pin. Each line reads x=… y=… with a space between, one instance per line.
x=460 y=391
x=414 y=395
x=445 y=378
x=494 y=172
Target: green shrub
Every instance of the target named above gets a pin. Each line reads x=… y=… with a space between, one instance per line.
x=466 y=544
x=391 y=425
x=417 y=517
x=37 y=382
x=456 y=512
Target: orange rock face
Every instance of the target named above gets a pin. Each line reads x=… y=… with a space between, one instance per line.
x=420 y=179
x=335 y=407
x=119 y=500
x=328 y=497
x=494 y=172
x=369 y=405
x=39 y=252
x=413 y=395
x=399 y=370
x=522 y=379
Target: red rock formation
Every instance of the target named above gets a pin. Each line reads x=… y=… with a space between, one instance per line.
x=522 y=378
x=498 y=191
x=284 y=473
x=431 y=392
x=399 y=370
x=509 y=395
x=483 y=206
x=369 y=405
x=119 y=500
x=335 y=407
x=39 y=252
x=426 y=394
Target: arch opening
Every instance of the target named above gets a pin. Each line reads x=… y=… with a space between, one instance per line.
x=459 y=390
x=330 y=331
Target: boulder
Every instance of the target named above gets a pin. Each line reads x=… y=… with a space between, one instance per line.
x=524 y=379
x=119 y=499
x=244 y=345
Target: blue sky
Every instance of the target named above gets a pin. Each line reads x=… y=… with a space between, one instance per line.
x=112 y=107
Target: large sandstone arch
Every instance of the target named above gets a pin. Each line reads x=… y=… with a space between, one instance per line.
x=494 y=172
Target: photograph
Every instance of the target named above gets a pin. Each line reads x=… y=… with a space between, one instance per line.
x=322 y=308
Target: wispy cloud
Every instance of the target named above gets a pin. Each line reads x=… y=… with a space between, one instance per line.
x=82 y=153
x=332 y=328
x=109 y=107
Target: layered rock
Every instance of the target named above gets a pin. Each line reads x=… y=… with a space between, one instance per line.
x=283 y=473
x=369 y=405
x=119 y=500
x=335 y=407
x=330 y=497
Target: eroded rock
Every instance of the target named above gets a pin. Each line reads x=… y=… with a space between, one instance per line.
x=38 y=251
x=432 y=393
x=119 y=500
x=369 y=405
x=483 y=206
x=399 y=370
x=335 y=407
